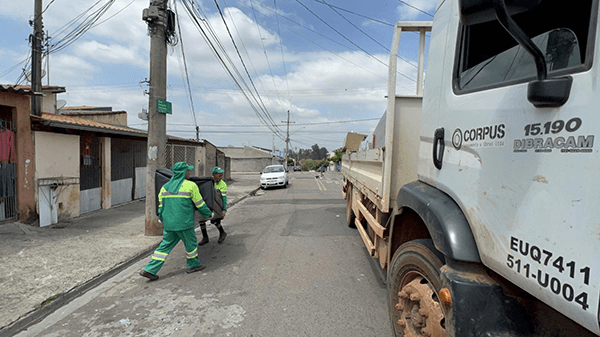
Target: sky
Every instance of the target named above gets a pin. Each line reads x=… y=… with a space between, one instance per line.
x=323 y=61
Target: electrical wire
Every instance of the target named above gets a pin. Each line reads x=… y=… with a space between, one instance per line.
x=112 y=16
x=250 y=58
x=316 y=44
x=44 y=11
x=354 y=44
x=262 y=104
x=261 y=125
x=187 y=76
x=364 y=33
x=282 y=56
x=358 y=14
x=223 y=58
x=81 y=28
x=415 y=8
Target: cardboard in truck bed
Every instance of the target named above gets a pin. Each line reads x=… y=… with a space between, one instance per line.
x=211 y=196
x=352 y=142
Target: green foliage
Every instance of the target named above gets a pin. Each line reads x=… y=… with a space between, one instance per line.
x=315 y=153
x=338 y=156
x=310 y=164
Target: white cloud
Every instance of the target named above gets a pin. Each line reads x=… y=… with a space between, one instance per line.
x=114 y=53
x=71 y=69
x=408 y=12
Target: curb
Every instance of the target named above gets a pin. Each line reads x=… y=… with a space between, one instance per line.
x=37 y=315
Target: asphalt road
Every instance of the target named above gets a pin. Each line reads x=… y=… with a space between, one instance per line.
x=289 y=267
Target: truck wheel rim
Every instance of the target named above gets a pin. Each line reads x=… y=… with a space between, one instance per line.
x=420 y=311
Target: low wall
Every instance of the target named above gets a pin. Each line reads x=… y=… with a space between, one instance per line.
x=251 y=164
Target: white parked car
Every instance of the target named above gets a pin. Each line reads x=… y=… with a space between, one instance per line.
x=274 y=175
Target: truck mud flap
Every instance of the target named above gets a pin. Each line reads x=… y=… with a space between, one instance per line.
x=445 y=221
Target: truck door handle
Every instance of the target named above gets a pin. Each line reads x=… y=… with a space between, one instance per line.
x=438 y=154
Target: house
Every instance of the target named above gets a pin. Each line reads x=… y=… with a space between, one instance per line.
x=250 y=158
x=57 y=166
x=98 y=114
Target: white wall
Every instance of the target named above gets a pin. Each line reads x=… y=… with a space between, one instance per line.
x=57 y=155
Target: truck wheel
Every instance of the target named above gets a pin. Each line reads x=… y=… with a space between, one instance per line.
x=413 y=291
x=349 y=212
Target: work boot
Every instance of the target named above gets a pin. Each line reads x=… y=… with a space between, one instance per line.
x=148 y=275
x=195 y=269
x=203 y=241
x=222 y=237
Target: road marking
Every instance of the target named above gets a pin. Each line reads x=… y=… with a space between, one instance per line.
x=320 y=184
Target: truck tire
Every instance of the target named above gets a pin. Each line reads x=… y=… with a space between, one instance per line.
x=413 y=290
x=350 y=217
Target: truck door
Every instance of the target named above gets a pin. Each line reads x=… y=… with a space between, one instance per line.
x=525 y=177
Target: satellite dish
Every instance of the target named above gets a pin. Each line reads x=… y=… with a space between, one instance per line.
x=28 y=75
x=60 y=104
x=143 y=115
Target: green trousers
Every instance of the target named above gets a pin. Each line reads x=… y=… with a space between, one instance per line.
x=170 y=239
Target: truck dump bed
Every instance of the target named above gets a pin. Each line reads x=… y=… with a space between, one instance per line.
x=366 y=169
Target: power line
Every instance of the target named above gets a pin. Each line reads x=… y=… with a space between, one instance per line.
x=358 y=14
x=260 y=132
x=44 y=11
x=81 y=28
x=364 y=33
x=282 y=57
x=261 y=125
x=187 y=76
x=262 y=104
x=250 y=58
x=313 y=42
x=415 y=8
x=347 y=39
x=112 y=16
x=224 y=59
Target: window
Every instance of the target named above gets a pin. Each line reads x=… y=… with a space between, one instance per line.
x=488 y=57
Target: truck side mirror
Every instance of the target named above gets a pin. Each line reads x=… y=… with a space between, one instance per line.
x=544 y=92
x=478 y=11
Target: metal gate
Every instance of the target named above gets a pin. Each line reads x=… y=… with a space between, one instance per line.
x=90 y=173
x=128 y=170
x=176 y=153
x=8 y=171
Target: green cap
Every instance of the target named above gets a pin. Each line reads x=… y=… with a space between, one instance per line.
x=182 y=166
x=217 y=170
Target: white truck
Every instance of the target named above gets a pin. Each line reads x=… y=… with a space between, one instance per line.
x=479 y=197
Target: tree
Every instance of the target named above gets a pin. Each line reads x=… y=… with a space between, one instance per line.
x=338 y=156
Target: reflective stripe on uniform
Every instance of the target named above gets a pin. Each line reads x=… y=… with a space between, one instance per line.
x=199 y=203
x=192 y=254
x=176 y=195
x=159 y=256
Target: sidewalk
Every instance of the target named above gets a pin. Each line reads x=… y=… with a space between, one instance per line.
x=41 y=269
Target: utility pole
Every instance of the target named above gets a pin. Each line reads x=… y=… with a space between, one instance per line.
x=287 y=139
x=273 y=153
x=197 y=133
x=156 y=17
x=36 y=59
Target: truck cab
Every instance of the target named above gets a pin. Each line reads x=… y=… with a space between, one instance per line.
x=478 y=196
x=512 y=145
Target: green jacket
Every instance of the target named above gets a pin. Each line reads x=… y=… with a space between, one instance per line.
x=176 y=210
x=222 y=186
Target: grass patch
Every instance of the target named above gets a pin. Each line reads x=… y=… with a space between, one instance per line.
x=49 y=300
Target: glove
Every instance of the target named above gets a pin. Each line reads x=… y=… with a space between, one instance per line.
x=224 y=213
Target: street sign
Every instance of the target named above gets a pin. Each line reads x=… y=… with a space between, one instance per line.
x=163 y=106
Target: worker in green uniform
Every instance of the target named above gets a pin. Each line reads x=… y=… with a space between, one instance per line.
x=177 y=201
x=220 y=185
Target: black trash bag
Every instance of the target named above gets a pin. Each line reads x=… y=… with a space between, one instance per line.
x=211 y=196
